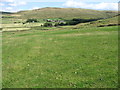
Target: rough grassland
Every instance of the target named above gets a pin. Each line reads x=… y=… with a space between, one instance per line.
x=82 y=58
x=65 y=13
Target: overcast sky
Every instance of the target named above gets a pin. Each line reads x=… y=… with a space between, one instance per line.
x=17 y=5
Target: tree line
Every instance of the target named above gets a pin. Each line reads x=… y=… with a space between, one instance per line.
x=74 y=21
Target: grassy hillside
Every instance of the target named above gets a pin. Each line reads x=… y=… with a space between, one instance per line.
x=65 y=58
x=113 y=20
x=66 y=13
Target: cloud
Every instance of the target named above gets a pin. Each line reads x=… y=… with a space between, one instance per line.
x=34 y=0
x=47 y=0
x=35 y=7
x=7 y=0
x=9 y=9
x=13 y=4
x=107 y=6
x=98 y=6
x=61 y=0
x=1 y=4
x=17 y=3
x=22 y=3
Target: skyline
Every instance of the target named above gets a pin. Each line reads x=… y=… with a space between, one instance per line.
x=18 y=5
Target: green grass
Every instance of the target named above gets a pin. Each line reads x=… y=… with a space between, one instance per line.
x=61 y=58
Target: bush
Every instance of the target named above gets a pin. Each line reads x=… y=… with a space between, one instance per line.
x=59 y=24
x=31 y=20
x=72 y=22
x=77 y=21
x=56 y=24
x=48 y=25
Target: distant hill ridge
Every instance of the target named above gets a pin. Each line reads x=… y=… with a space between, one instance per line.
x=65 y=13
x=6 y=12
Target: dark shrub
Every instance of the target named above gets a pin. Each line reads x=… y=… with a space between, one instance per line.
x=59 y=24
x=71 y=22
x=48 y=25
x=77 y=21
x=56 y=24
x=31 y=20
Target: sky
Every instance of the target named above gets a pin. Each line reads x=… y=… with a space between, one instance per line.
x=18 y=5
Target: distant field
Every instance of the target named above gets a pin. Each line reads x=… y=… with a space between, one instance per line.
x=61 y=58
x=9 y=25
x=20 y=26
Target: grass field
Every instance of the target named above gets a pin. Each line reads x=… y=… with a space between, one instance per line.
x=61 y=58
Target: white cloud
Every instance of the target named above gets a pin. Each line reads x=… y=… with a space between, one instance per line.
x=7 y=0
x=17 y=3
x=1 y=4
x=22 y=3
x=99 y=6
x=107 y=6
x=35 y=7
x=12 y=4
x=9 y=9
x=108 y=1
x=33 y=0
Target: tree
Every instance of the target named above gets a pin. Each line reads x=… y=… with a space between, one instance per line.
x=31 y=20
x=48 y=25
x=56 y=24
x=59 y=24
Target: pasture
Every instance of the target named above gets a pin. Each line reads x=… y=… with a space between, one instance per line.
x=19 y=27
x=61 y=58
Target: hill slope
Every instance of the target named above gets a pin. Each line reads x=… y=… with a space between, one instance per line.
x=66 y=13
x=108 y=21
